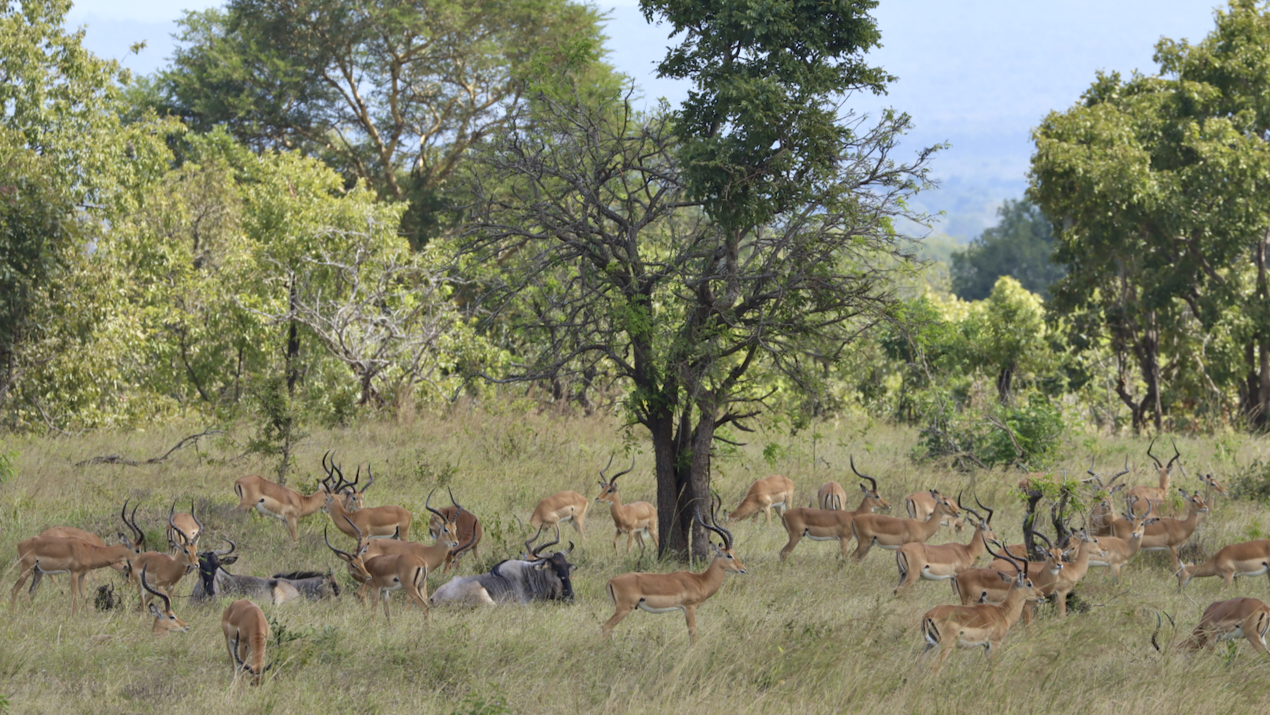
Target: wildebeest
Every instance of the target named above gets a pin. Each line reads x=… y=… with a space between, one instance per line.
x=215 y=581
x=539 y=578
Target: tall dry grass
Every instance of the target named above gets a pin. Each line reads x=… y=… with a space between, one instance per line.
x=808 y=635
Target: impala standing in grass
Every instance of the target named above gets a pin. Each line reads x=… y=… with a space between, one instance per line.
x=678 y=591
x=918 y=561
x=1157 y=495
x=831 y=497
x=42 y=555
x=1116 y=550
x=558 y=508
x=889 y=532
x=282 y=503
x=634 y=519
x=188 y=524
x=1170 y=534
x=390 y=521
x=469 y=527
x=1250 y=558
x=829 y=524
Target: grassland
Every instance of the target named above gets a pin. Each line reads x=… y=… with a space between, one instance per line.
x=809 y=635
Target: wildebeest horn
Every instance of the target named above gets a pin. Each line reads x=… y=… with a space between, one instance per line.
x=536 y=553
x=873 y=482
x=528 y=548
x=232 y=548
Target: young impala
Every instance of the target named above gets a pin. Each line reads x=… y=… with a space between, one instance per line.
x=985 y=624
x=918 y=561
x=561 y=507
x=246 y=633
x=1249 y=558
x=634 y=519
x=889 y=532
x=678 y=591
x=829 y=524
x=764 y=494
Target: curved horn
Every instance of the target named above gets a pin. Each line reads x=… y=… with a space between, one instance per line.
x=167 y=602
x=356 y=478
x=1121 y=473
x=535 y=553
x=452 y=500
x=196 y=519
x=569 y=550
x=1090 y=471
x=171 y=513
x=136 y=530
x=716 y=507
x=1005 y=554
x=427 y=504
x=1176 y=454
x=605 y=479
x=1048 y=544
x=981 y=506
x=232 y=547
x=613 y=479
x=1152 y=456
x=138 y=538
x=359 y=531
x=872 y=482
x=458 y=550
x=530 y=549
x=370 y=479
x=343 y=554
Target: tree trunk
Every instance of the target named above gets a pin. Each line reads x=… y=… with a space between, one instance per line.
x=293 y=342
x=671 y=483
x=1261 y=398
x=1004 y=378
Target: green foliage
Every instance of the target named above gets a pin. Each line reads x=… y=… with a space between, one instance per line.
x=277 y=424
x=7 y=460
x=1020 y=246
x=1251 y=482
x=1027 y=435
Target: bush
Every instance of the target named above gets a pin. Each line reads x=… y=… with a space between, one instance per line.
x=1252 y=482
x=1027 y=435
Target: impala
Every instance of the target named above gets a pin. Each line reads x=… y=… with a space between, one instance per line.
x=187 y=523
x=634 y=519
x=560 y=507
x=165 y=571
x=891 y=532
x=985 y=624
x=992 y=585
x=246 y=633
x=1116 y=550
x=388 y=573
x=53 y=555
x=469 y=527
x=70 y=532
x=1071 y=574
x=764 y=494
x=164 y=619
x=831 y=497
x=1250 y=558
x=1103 y=513
x=391 y=521
x=279 y=502
x=354 y=499
x=1246 y=618
x=1211 y=488
x=1156 y=495
x=919 y=505
x=1170 y=534
x=829 y=524
x=678 y=591
x=918 y=561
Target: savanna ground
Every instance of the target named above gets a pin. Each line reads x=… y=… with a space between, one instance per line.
x=809 y=635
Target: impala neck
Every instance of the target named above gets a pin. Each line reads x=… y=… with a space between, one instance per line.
x=311 y=503
x=712 y=577
x=931 y=525
x=1165 y=482
x=864 y=507
x=978 y=544
x=1012 y=607
x=616 y=500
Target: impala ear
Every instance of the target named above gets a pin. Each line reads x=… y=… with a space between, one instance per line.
x=1004 y=578
x=155 y=610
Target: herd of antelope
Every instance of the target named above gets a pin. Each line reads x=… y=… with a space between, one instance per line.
x=989 y=600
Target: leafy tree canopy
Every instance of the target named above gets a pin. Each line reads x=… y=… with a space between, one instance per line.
x=1021 y=246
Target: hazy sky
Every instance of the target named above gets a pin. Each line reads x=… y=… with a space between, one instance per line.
x=978 y=74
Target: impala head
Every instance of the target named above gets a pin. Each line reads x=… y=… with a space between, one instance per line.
x=608 y=485
x=356 y=565
x=448 y=530
x=164 y=619
x=184 y=544
x=722 y=551
x=1138 y=522
x=945 y=505
x=1022 y=580
x=1053 y=555
x=1164 y=469
x=334 y=483
x=1212 y=483
x=355 y=499
x=456 y=552
x=1194 y=501
x=210 y=561
x=876 y=502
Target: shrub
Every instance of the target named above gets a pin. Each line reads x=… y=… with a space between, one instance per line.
x=1252 y=482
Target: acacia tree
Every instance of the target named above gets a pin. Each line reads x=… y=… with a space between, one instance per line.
x=608 y=257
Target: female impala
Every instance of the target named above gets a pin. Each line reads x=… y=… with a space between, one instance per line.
x=829 y=524
x=469 y=527
x=634 y=519
x=1169 y=534
x=1250 y=558
x=279 y=502
x=390 y=521
x=919 y=505
x=561 y=507
x=891 y=532
x=678 y=591
x=984 y=624
x=938 y=563
x=764 y=494
x=70 y=532
x=187 y=523
x=1117 y=551
x=76 y=557
x=831 y=497
x=246 y=633
x=1246 y=618
x=164 y=619
x=1103 y=512
x=1156 y=495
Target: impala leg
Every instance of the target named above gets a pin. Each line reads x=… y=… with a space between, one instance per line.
x=862 y=550
x=1060 y=600
x=243 y=647
x=22 y=577
x=1177 y=563
x=617 y=536
x=361 y=593
x=233 y=660
x=1029 y=613
x=652 y=531
x=1228 y=577
x=767 y=512
x=293 y=528
x=690 y=615
x=794 y=538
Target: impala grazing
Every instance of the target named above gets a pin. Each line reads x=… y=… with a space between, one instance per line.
x=378 y=521
x=763 y=495
x=918 y=561
x=984 y=624
x=831 y=497
x=1246 y=618
x=561 y=507
x=1250 y=558
x=829 y=524
x=678 y=591
x=635 y=519
x=279 y=502
x=889 y=532
x=246 y=633
x=164 y=619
